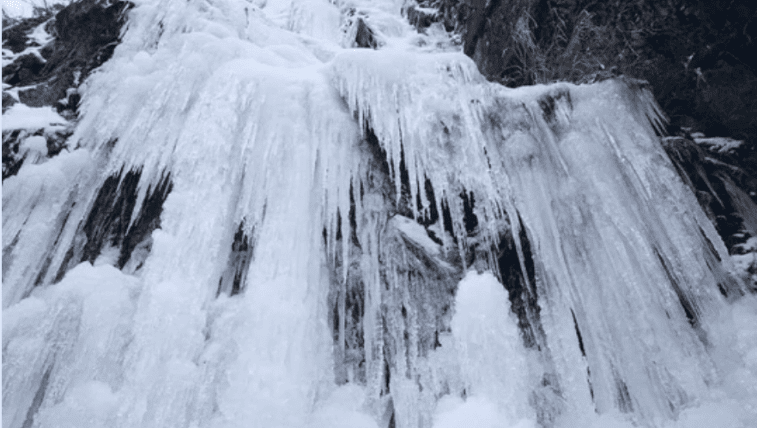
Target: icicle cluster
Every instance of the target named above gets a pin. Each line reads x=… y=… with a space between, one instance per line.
x=293 y=220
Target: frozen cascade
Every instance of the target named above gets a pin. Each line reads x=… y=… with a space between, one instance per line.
x=262 y=222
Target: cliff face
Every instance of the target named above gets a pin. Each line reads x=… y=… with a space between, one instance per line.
x=63 y=51
x=45 y=59
x=699 y=58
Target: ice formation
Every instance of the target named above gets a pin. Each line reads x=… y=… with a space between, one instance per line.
x=262 y=221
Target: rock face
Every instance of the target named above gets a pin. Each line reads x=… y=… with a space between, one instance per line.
x=45 y=59
x=83 y=36
x=700 y=59
x=710 y=171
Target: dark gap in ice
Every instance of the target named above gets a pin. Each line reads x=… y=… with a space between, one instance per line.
x=64 y=265
x=404 y=205
x=49 y=258
x=470 y=219
x=11 y=160
x=522 y=291
x=110 y=213
x=723 y=290
x=365 y=37
x=386 y=371
x=39 y=396
x=434 y=238
x=578 y=333
x=583 y=351
x=338 y=226
x=710 y=245
x=392 y=423
x=430 y=215
x=148 y=219
x=623 y=396
x=108 y=223
x=548 y=104
x=43 y=271
x=8 y=253
x=232 y=281
x=688 y=308
x=488 y=158
x=448 y=224
x=376 y=151
x=352 y=217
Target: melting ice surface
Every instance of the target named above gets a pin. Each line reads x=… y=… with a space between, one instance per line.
x=259 y=224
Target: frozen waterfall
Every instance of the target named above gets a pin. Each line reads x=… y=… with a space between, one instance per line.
x=303 y=213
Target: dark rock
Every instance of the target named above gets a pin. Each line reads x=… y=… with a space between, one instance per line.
x=365 y=38
x=43 y=94
x=700 y=58
x=86 y=34
x=16 y=35
x=8 y=101
x=11 y=160
x=23 y=71
x=419 y=18
x=719 y=186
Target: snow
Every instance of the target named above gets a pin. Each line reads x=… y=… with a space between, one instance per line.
x=36 y=144
x=487 y=342
x=40 y=36
x=453 y=412
x=261 y=114
x=25 y=8
x=20 y=116
x=416 y=233
x=718 y=144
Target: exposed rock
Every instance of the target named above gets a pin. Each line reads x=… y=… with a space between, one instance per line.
x=365 y=38
x=16 y=32
x=24 y=70
x=86 y=33
x=8 y=101
x=700 y=58
x=14 y=158
x=12 y=161
x=421 y=18
x=719 y=188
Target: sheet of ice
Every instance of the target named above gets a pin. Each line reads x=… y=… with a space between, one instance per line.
x=36 y=205
x=62 y=349
x=264 y=119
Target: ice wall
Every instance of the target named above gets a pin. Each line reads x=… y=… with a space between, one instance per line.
x=258 y=223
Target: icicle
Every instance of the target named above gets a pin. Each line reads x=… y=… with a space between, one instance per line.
x=262 y=127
